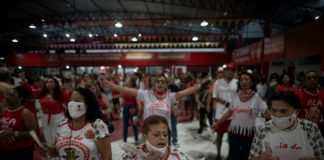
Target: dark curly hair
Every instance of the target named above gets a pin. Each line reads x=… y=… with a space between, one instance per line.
x=93 y=109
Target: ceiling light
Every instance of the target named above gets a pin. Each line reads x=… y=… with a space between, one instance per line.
x=317 y=17
x=140 y=35
x=72 y=40
x=2 y=58
x=15 y=40
x=32 y=26
x=43 y=20
x=225 y=13
x=118 y=25
x=119 y=66
x=134 y=39
x=115 y=35
x=96 y=35
x=45 y=35
x=204 y=23
x=67 y=35
x=19 y=67
x=90 y=35
x=194 y=38
x=67 y=67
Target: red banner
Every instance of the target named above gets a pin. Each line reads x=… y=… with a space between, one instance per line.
x=249 y=54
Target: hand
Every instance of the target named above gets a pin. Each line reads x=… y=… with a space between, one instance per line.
x=7 y=136
x=216 y=125
x=135 y=120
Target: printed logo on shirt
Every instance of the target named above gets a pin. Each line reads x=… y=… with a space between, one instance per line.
x=73 y=149
x=160 y=105
x=313 y=110
x=70 y=154
x=292 y=147
x=6 y=122
x=242 y=109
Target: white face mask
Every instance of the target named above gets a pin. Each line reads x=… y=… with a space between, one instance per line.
x=151 y=148
x=76 y=109
x=284 y=122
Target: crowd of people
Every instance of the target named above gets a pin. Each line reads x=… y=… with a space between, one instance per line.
x=77 y=109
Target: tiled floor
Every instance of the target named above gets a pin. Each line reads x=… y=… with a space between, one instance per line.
x=198 y=146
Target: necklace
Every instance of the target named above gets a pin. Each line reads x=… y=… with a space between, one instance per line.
x=312 y=94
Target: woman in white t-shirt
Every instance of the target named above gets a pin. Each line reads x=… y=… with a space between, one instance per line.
x=286 y=137
x=83 y=135
x=158 y=100
x=245 y=106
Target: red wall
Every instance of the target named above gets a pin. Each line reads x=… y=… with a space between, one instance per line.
x=305 y=40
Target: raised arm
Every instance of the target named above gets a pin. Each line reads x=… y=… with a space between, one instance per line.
x=179 y=95
x=126 y=90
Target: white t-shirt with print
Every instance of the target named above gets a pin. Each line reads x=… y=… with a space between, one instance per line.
x=289 y=145
x=80 y=144
x=153 y=106
x=244 y=114
x=223 y=90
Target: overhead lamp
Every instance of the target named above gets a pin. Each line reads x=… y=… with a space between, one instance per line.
x=140 y=35
x=67 y=67
x=45 y=35
x=2 y=58
x=317 y=17
x=204 y=23
x=32 y=26
x=14 y=40
x=96 y=35
x=119 y=66
x=115 y=35
x=90 y=35
x=134 y=39
x=43 y=20
x=118 y=25
x=195 y=38
x=72 y=40
x=225 y=13
x=19 y=67
x=67 y=35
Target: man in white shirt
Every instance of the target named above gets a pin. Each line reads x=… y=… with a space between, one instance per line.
x=222 y=93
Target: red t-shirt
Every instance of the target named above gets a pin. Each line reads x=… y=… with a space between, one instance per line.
x=312 y=107
x=13 y=120
x=281 y=88
x=129 y=99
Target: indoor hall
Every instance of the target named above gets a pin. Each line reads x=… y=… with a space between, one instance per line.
x=186 y=41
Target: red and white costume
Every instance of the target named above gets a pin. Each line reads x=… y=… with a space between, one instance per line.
x=53 y=114
x=80 y=144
